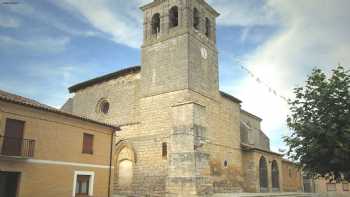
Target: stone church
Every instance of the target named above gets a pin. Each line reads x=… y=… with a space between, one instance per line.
x=181 y=135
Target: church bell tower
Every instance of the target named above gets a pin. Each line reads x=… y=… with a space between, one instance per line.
x=179 y=48
x=179 y=53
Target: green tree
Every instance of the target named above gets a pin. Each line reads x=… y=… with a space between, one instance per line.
x=320 y=121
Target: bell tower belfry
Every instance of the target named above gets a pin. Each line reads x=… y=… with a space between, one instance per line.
x=179 y=53
x=179 y=47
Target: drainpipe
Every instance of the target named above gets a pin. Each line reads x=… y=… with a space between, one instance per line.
x=110 y=164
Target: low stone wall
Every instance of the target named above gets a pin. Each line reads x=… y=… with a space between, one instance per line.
x=284 y=194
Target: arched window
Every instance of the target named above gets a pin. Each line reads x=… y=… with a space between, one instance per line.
x=275 y=176
x=173 y=17
x=164 y=150
x=263 y=175
x=196 y=19
x=156 y=23
x=103 y=106
x=207 y=27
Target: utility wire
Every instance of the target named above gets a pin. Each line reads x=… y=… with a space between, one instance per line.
x=260 y=81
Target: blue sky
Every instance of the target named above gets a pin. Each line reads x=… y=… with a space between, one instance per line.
x=47 y=46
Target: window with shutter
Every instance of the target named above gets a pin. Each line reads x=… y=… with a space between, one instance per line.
x=82 y=185
x=12 y=143
x=88 y=143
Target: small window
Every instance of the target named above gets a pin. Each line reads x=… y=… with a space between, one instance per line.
x=263 y=178
x=88 y=143
x=82 y=187
x=164 y=150
x=196 y=19
x=290 y=172
x=345 y=186
x=331 y=187
x=156 y=23
x=275 y=175
x=173 y=17
x=104 y=107
x=225 y=163
x=207 y=27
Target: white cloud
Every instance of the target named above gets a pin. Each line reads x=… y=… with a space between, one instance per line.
x=313 y=33
x=46 y=17
x=43 y=45
x=23 y=9
x=122 y=21
x=244 y=13
x=9 y=22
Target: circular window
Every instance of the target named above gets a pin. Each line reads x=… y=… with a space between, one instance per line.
x=103 y=107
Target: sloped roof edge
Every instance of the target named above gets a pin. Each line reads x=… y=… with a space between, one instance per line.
x=103 y=78
x=252 y=148
x=230 y=97
x=39 y=106
x=251 y=115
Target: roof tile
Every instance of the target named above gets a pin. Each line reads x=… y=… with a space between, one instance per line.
x=16 y=99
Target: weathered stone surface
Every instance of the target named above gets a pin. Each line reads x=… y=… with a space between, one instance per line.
x=175 y=101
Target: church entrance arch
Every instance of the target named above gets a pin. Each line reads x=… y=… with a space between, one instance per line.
x=125 y=162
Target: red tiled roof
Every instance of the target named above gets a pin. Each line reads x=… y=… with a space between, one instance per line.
x=22 y=99
x=16 y=99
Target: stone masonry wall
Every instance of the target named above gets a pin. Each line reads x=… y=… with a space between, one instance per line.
x=292 y=180
x=122 y=95
x=250 y=164
x=223 y=142
x=255 y=136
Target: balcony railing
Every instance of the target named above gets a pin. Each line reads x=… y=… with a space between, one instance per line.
x=16 y=147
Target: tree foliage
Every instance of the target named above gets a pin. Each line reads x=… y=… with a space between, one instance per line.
x=320 y=121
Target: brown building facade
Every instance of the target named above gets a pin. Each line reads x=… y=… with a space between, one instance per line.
x=45 y=152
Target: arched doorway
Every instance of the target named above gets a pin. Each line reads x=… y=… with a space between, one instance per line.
x=275 y=176
x=125 y=173
x=125 y=162
x=263 y=179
